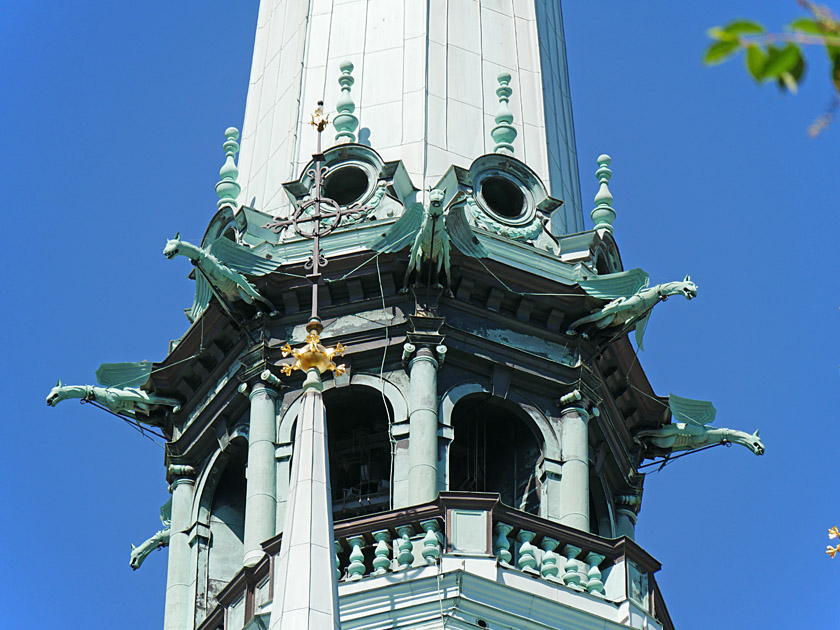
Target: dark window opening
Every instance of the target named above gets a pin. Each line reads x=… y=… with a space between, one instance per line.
x=227 y=520
x=503 y=197
x=346 y=185
x=602 y=266
x=494 y=450
x=360 y=450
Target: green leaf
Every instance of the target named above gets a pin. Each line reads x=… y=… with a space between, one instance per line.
x=718 y=33
x=756 y=60
x=834 y=52
x=744 y=27
x=798 y=70
x=781 y=60
x=720 y=52
x=807 y=25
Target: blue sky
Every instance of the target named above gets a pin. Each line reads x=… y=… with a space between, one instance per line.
x=114 y=117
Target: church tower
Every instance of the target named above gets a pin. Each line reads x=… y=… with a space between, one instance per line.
x=408 y=396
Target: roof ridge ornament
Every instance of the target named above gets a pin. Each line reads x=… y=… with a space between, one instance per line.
x=603 y=214
x=504 y=133
x=228 y=188
x=345 y=122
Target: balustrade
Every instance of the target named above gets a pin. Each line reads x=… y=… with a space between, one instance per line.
x=405 y=540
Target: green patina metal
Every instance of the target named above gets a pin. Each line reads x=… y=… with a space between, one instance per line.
x=132 y=402
x=434 y=228
x=345 y=122
x=694 y=430
x=631 y=299
x=159 y=540
x=504 y=132
x=228 y=188
x=131 y=374
x=225 y=277
x=603 y=214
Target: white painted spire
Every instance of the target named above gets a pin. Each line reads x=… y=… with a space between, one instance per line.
x=306 y=591
x=425 y=88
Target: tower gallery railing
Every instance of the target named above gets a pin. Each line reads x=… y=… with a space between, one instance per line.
x=464 y=524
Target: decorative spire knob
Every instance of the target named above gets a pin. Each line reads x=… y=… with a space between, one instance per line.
x=228 y=188
x=345 y=122
x=504 y=133
x=603 y=215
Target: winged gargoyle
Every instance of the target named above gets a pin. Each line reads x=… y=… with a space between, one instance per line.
x=692 y=430
x=631 y=299
x=159 y=540
x=119 y=390
x=434 y=230
x=224 y=264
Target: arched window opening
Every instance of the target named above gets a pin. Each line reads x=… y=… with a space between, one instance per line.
x=227 y=520
x=358 y=422
x=495 y=450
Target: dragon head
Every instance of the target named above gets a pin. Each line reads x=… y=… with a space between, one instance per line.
x=436 y=197
x=755 y=444
x=54 y=397
x=172 y=245
x=136 y=560
x=689 y=289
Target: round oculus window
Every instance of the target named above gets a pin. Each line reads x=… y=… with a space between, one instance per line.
x=503 y=197
x=346 y=185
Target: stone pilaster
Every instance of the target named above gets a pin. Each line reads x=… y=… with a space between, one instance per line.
x=176 y=610
x=574 y=480
x=423 y=425
x=261 y=494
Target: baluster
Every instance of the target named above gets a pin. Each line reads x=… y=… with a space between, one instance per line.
x=501 y=544
x=406 y=554
x=431 y=541
x=571 y=577
x=593 y=583
x=382 y=554
x=356 y=569
x=338 y=550
x=549 y=568
x=526 y=557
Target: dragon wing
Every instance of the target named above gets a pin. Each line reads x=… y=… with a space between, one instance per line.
x=402 y=231
x=697 y=412
x=462 y=235
x=203 y=293
x=641 y=324
x=615 y=285
x=242 y=259
x=123 y=374
x=166 y=513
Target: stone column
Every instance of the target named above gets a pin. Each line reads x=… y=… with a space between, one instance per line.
x=261 y=493
x=423 y=427
x=182 y=485
x=574 y=482
x=626 y=508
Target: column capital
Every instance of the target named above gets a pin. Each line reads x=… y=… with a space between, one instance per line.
x=180 y=473
x=629 y=502
x=259 y=388
x=578 y=408
x=423 y=352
